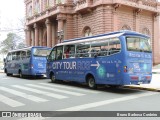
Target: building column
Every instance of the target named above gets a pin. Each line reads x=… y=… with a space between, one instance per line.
x=60 y=31
x=137 y=19
x=54 y=32
x=115 y=21
x=36 y=34
x=40 y=36
x=115 y=17
x=60 y=24
x=156 y=39
x=28 y=36
x=49 y=31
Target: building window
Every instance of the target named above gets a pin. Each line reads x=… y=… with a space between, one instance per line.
x=87 y=32
x=126 y=27
x=37 y=6
x=49 y=3
x=60 y=1
x=30 y=11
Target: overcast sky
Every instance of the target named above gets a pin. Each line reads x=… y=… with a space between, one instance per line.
x=10 y=13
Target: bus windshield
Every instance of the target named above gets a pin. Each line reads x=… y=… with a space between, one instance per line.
x=138 y=44
x=41 y=52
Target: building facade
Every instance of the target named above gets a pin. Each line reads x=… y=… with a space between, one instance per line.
x=49 y=22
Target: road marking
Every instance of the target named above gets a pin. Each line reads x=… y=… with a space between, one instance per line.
x=105 y=102
x=10 y=102
x=41 y=92
x=57 y=90
x=70 y=88
x=5 y=78
x=24 y=95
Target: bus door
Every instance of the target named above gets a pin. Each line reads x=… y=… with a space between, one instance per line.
x=13 y=63
x=55 y=62
x=16 y=61
x=25 y=62
x=8 y=63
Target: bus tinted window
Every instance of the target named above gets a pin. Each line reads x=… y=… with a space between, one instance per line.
x=138 y=44
x=23 y=54
x=82 y=50
x=114 y=46
x=28 y=53
x=69 y=51
x=105 y=47
x=59 y=52
x=9 y=57
x=40 y=52
x=52 y=55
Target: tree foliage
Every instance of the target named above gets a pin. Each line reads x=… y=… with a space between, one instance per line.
x=10 y=43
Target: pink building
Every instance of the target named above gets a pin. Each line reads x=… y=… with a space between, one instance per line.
x=50 y=21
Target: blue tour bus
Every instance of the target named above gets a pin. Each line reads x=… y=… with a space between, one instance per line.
x=27 y=61
x=115 y=59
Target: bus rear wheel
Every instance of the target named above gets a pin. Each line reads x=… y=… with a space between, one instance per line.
x=92 y=83
x=20 y=74
x=53 y=78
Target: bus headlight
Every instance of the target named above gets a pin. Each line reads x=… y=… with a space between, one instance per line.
x=125 y=68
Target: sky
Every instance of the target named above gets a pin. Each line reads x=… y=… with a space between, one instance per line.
x=11 y=11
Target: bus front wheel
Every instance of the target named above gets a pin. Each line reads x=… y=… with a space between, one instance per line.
x=92 y=83
x=53 y=78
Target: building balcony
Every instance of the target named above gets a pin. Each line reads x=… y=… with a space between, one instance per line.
x=49 y=12
x=82 y=5
x=42 y=15
x=150 y=5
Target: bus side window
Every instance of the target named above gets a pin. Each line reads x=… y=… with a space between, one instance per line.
x=18 y=55
x=114 y=46
x=59 y=52
x=52 y=55
x=9 y=57
x=69 y=51
x=28 y=53
x=95 y=50
x=23 y=54
x=82 y=50
x=14 y=56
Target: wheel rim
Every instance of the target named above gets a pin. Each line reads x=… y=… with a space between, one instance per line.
x=53 y=78
x=91 y=82
x=20 y=74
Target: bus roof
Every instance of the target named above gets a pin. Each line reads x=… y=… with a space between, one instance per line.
x=101 y=37
x=27 y=48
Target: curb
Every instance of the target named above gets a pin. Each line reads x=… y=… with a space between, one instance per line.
x=143 y=88
x=155 y=72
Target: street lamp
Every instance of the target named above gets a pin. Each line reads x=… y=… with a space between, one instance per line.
x=60 y=35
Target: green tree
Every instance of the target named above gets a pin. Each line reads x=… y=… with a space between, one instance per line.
x=9 y=43
x=20 y=45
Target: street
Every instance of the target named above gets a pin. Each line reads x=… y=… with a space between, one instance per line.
x=40 y=94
